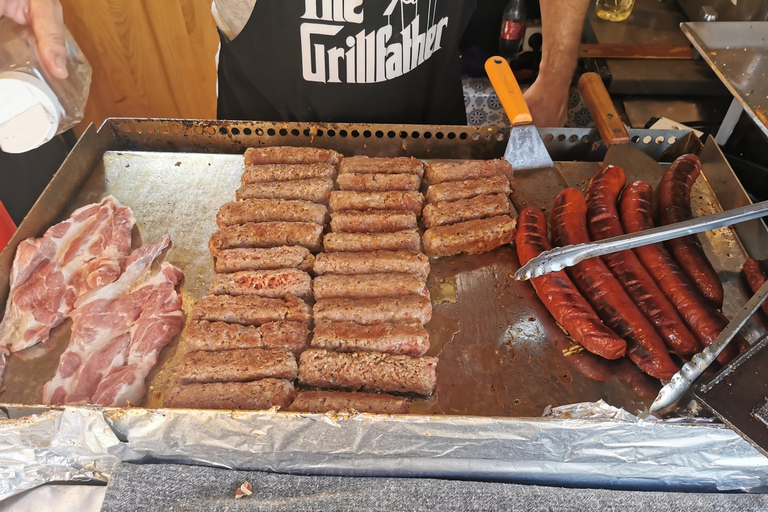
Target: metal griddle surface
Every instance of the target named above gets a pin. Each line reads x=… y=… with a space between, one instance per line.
x=500 y=350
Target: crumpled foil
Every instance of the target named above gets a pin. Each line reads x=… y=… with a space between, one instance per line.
x=585 y=445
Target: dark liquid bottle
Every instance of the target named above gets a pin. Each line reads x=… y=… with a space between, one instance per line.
x=512 y=30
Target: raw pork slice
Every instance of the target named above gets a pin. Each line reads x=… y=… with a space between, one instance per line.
x=118 y=332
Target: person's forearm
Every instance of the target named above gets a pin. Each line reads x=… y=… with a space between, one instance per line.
x=562 y=22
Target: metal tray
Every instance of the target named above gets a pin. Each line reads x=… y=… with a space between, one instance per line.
x=500 y=351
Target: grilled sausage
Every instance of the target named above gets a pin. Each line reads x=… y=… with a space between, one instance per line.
x=237 y=365
x=406 y=240
x=369 y=371
x=373 y=221
x=256 y=395
x=267 y=234
x=704 y=320
x=755 y=277
x=315 y=190
x=327 y=401
x=250 y=310
x=478 y=207
x=271 y=258
x=473 y=236
x=438 y=172
x=603 y=222
x=378 y=182
x=455 y=190
x=264 y=283
x=286 y=172
x=291 y=155
x=559 y=295
x=407 y=262
x=204 y=335
x=368 y=285
x=407 y=338
x=376 y=165
x=412 y=308
x=606 y=295
x=675 y=206
x=395 y=200
x=264 y=210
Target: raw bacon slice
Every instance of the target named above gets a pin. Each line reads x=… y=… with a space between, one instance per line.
x=117 y=334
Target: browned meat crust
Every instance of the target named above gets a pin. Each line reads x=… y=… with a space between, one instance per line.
x=286 y=172
x=455 y=190
x=291 y=155
x=204 y=335
x=271 y=258
x=369 y=371
x=407 y=262
x=398 y=165
x=327 y=401
x=264 y=283
x=256 y=395
x=438 y=172
x=471 y=237
x=412 y=308
x=267 y=234
x=373 y=221
x=237 y=365
x=316 y=190
x=478 y=207
x=394 y=200
x=406 y=240
x=264 y=210
x=247 y=310
x=368 y=285
x=378 y=182
x=408 y=338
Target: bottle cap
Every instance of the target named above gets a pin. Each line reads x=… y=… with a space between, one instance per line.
x=29 y=112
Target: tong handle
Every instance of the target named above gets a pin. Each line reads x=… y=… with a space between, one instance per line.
x=508 y=90
x=601 y=107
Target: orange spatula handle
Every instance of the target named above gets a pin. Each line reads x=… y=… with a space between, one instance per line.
x=508 y=90
x=603 y=112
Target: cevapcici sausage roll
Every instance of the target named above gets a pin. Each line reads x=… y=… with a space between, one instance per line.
x=406 y=240
x=267 y=234
x=265 y=283
x=316 y=190
x=407 y=262
x=478 y=207
x=291 y=155
x=286 y=172
x=284 y=256
x=378 y=182
x=376 y=165
x=369 y=371
x=256 y=395
x=204 y=335
x=407 y=338
x=372 y=221
x=264 y=210
x=473 y=236
x=395 y=200
x=327 y=401
x=438 y=172
x=237 y=365
x=368 y=285
x=412 y=308
x=248 y=310
x=455 y=190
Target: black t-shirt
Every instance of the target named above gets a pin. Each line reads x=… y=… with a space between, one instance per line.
x=386 y=61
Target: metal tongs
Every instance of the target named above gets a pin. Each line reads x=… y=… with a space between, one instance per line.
x=561 y=257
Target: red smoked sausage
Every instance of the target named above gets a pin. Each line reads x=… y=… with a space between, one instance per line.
x=603 y=222
x=612 y=304
x=675 y=206
x=560 y=296
x=755 y=277
x=704 y=320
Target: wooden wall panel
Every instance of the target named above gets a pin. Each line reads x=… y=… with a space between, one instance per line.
x=150 y=58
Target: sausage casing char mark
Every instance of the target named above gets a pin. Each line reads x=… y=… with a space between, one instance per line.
x=378 y=182
x=559 y=294
x=410 y=200
x=266 y=235
x=478 y=207
x=376 y=262
x=675 y=206
x=373 y=221
x=755 y=277
x=606 y=295
x=405 y=338
x=256 y=395
x=472 y=236
x=265 y=283
x=291 y=155
x=286 y=172
x=704 y=320
x=466 y=189
x=603 y=222
x=406 y=240
x=315 y=190
x=338 y=401
x=382 y=165
x=265 y=210
x=368 y=285
x=439 y=172
x=266 y=258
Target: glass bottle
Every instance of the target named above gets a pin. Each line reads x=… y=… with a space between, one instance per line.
x=614 y=10
x=512 y=30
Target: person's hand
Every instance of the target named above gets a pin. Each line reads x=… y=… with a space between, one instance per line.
x=47 y=21
x=548 y=102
